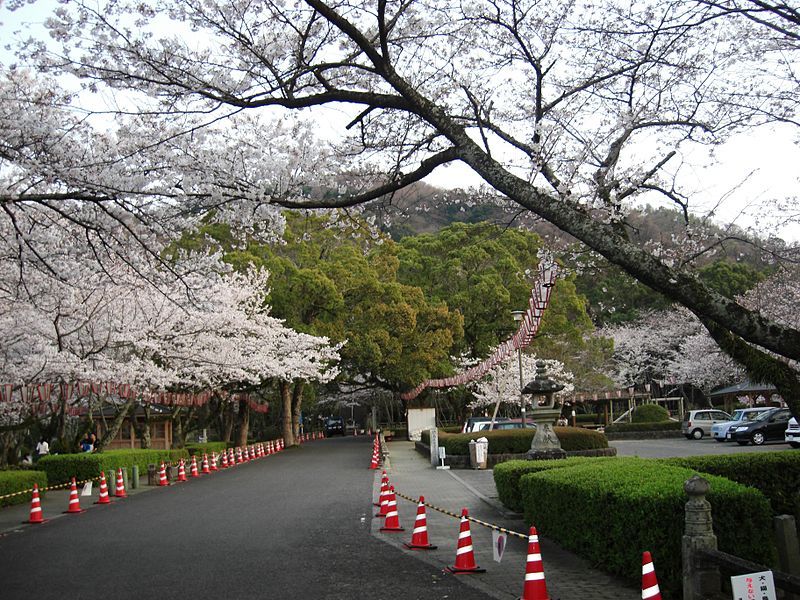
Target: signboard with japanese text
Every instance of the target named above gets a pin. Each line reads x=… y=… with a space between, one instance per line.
x=753 y=586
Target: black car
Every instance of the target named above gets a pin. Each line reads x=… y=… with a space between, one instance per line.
x=334 y=426
x=770 y=425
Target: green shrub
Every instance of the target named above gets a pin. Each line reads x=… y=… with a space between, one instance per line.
x=611 y=511
x=650 y=413
x=507 y=475
x=451 y=429
x=662 y=426
x=207 y=448
x=60 y=468
x=518 y=441
x=17 y=481
x=587 y=418
x=775 y=474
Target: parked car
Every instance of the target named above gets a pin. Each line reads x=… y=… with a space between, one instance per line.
x=697 y=423
x=792 y=433
x=504 y=424
x=334 y=426
x=719 y=431
x=474 y=423
x=770 y=425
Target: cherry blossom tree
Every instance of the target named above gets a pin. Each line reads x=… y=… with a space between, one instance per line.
x=572 y=112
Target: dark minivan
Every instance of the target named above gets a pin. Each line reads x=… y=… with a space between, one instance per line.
x=334 y=426
x=770 y=425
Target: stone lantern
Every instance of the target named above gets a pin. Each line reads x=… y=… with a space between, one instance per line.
x=545 y=444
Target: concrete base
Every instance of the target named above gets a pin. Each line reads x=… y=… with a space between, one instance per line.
x=550 y=454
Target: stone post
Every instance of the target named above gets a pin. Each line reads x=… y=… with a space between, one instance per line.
x=788 y=548
x=699 y=579
x=434 y=446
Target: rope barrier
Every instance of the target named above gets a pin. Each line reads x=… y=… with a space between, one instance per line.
x=458 y=516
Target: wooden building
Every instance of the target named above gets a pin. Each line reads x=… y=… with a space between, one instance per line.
x=126 y=438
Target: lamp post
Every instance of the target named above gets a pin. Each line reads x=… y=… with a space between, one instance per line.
x=518 y=316
x=545 y=444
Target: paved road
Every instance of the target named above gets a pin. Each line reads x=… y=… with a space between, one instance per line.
x=294 y=525
x=666 y=448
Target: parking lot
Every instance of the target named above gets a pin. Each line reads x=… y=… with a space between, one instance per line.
x=665 y=448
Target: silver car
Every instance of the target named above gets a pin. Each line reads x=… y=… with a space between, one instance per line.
x=719 y=431
x=697 y=423
x=792 y=435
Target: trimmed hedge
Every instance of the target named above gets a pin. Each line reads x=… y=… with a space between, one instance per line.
x=17 y=481
x=775 y=474
x=518 y=441
x=610 y=512
x=650 y=413
x=507 y=476
x=60 y=468
x=661 y=426
x=207 y=448
x=587 y=418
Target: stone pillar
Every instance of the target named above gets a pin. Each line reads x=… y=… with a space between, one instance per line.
x=699 y=579
x=434 y=446
x=788 y=548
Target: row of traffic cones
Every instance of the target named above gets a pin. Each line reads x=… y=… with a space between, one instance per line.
x=229 y=458
x=376 y=453
x=535 y=587
x=74 y=505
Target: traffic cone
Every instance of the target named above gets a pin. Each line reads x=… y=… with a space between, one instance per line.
x=465 y=558
x=181 y=471
x=384 y=500
x=384 y=487
x=214 y=461
x=206 y=470
x=224 y=463
x=650 y=589
x=120 y=491
x=74 y=501
x=535 y=586
x=375 y=460
x=419 y=537
x=392 y=522
x=162 y=476
x=103 y=499
x=36 y=508
x=231 y=459
x=239 y=456
x=193 y=471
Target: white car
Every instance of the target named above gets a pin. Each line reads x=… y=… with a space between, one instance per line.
x=719 y=431
x=792 y=435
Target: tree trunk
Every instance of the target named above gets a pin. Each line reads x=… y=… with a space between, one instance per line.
x=143 y=428
x=244 y=423
x=286 y=403
x=227 y=422
x=116 y=424
x=178 y=439
x=297 y=405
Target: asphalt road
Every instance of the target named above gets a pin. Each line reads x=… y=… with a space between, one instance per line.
x=666 y=448
x=293 y=525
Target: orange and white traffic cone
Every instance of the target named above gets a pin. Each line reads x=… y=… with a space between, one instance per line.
x=224 y=463
x=535 y=586
x=181 y=471
x=104 y=498
x=214 y=461
x=384 y=487
x=162 y=476
x=375 y=460
x=239 y=459
x=74 y=501
x=120 y=491
x=206 y=470
x=392 y=522
x=231 y=459
x=419 y=537
x=36 y=507
x=465 y=557
x=650 y=589
x=193 y=472
x=384 y=500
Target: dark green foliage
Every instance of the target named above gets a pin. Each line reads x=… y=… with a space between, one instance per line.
x=611 y=511
x=518 y=441
x=775 y=474
x=587 y=418
x=207 y=448
x=16 y=481
x=60 y=468
x=650 y=413
x=662 y=426
x=507 y=475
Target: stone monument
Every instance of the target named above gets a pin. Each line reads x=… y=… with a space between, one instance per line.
x=545 y=444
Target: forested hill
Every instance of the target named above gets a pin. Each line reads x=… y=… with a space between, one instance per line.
x=613 y=297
